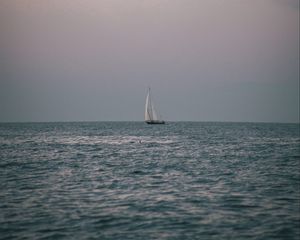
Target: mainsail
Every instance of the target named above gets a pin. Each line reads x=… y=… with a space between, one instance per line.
x=150 y=113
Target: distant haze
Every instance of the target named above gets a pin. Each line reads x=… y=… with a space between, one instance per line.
x=92 y=60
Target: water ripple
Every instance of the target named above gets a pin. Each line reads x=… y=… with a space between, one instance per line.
x=135 y=181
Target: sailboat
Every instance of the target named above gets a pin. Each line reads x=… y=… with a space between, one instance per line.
x=150 y=113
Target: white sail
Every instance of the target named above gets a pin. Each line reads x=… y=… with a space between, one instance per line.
x=148 y=108
x=150 y=113
x=154 y=115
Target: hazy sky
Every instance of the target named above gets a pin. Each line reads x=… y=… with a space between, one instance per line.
x=205 y=60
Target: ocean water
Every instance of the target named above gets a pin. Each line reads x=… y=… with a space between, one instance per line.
x=130 y=180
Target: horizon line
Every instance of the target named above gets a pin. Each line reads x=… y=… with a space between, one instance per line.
x=170 y=121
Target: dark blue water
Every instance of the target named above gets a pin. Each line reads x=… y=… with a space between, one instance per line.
x=129 y=180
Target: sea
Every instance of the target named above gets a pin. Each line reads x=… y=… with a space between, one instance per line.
x=130 y=180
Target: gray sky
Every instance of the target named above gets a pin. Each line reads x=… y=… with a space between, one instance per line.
x=205 y=60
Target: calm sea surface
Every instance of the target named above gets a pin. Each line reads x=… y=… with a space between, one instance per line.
x=129 y=180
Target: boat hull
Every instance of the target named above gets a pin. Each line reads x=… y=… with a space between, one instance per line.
x=155 y=122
